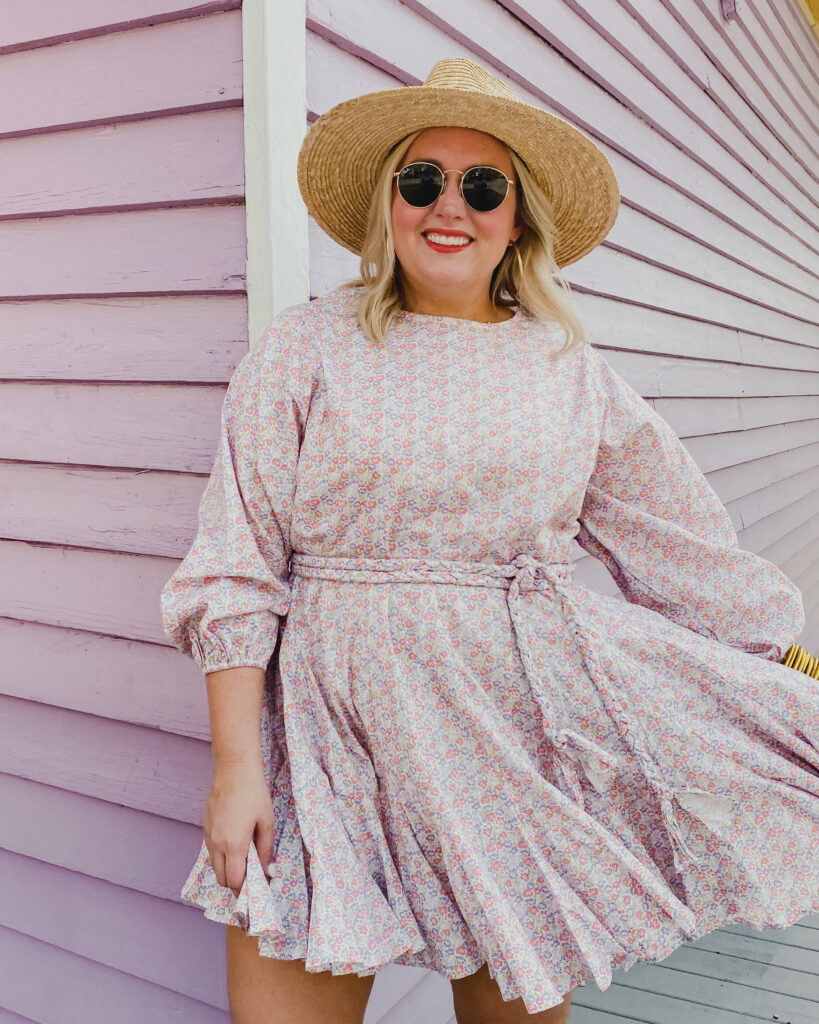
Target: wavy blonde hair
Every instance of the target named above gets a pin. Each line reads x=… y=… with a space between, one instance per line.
x=532 y=282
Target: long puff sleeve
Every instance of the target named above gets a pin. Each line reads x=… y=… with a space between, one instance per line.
x=657 y=525
x=222 y=604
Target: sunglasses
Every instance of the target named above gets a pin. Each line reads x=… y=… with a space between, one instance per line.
x=483 y=188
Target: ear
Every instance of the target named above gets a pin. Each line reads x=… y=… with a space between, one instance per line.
x=516 y=232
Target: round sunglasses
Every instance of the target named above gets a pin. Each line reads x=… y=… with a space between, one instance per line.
x=483 y=188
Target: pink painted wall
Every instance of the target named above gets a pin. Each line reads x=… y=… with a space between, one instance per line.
x=123 y=313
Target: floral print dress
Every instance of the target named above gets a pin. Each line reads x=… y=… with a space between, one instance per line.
x=471 y=756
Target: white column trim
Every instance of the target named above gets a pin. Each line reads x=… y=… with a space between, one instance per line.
x=275 y=120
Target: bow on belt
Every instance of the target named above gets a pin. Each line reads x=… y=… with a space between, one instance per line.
x=520 y=576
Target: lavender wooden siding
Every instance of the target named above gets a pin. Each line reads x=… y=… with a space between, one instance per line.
x=704 y=297
x=123 y=314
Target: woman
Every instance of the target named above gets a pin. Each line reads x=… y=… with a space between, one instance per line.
x=459 y=758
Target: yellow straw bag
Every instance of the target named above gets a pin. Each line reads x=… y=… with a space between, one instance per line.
x=797 y=657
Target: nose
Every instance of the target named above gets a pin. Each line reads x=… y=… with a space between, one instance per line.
x=450 y=201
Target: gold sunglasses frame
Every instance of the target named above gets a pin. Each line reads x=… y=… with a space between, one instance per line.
x=452 y=170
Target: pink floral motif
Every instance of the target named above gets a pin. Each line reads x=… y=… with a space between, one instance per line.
x=471 y=756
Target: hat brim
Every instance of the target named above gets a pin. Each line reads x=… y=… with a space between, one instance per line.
x=344 y=149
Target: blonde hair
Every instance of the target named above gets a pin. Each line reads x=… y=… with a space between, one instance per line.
x=527 y=276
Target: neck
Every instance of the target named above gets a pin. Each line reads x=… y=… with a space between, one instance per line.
x=466 y=307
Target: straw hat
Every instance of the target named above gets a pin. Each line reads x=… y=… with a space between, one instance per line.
x=344 y=150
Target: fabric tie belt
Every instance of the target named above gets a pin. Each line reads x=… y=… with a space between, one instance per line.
x=526 y=573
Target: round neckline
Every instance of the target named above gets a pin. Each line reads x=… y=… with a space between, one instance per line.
x=406 y=314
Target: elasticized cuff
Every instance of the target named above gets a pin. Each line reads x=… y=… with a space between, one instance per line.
x=214 y=652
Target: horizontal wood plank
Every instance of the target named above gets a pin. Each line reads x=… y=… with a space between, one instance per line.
x=137 y=426
x=146 y=769
x=734 y=482
x=156 y=941
x=611 y=323
x=330 y=263
x=163 y=338
x=105 y=592
x=196 y=158
x=806 y=576
x=792 y=551
x=682 y=54
x=717 y=451
x=139 y=511
x=24 y=24
x=142 y=252
x=703 y=416
x=662 y=245
x=656 y=376
x=145 y=684
x=771 y=47
x=803 y=569
x=798 y=936
x=408 y=993
x=656 y=1008
x=689 y=960
x=711 y=995
x=807 y=582
x=606 y=271
x=786 y=534
x=798 y=30
x=116 y=844
x=704 y=299
x=193 y=63
x=768 y=500
x=89 y=988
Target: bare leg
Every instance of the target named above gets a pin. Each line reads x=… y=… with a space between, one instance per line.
x=263 y=990
x=478 y=1000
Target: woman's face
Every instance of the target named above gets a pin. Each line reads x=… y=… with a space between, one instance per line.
x=453 y=279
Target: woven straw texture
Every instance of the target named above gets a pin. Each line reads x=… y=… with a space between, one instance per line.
x=345 y=148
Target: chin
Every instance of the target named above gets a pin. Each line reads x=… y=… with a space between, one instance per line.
x=454 y=278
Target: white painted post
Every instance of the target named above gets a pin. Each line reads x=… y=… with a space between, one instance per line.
x=275 y=118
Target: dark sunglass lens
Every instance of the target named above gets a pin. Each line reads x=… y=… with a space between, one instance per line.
x=420 y=184
x=484 y=188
